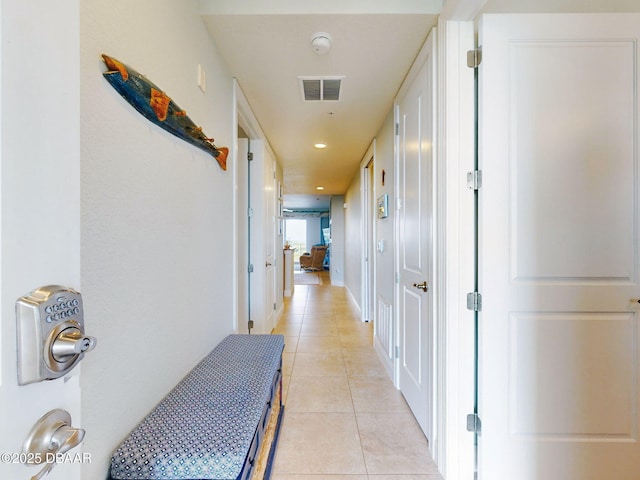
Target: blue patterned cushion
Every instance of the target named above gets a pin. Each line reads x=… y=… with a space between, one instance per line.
x=204 y=427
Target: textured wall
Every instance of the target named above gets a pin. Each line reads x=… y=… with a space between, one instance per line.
x=385 y=227
x=157 y=217
x=353 y=239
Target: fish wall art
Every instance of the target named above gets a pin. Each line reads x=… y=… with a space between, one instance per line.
x=157 y=107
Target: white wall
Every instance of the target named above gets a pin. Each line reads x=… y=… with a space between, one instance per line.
x=337 y=250
x=385 y=227
x=353 y=245
x=314 y=233
x=157 y=254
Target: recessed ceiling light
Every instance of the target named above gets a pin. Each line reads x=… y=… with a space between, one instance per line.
x=319 y=188
x=320 y=145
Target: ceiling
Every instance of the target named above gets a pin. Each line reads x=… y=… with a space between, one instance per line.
x=267 y=52
x=307 y=203
x=267 y=47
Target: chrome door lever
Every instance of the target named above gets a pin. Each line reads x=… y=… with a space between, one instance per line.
x=422 y=286
x=52 y=435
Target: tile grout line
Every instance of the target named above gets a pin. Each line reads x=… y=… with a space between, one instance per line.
x=355 y=416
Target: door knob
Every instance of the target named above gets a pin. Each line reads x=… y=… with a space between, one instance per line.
x=422 y=286
x=52 y=435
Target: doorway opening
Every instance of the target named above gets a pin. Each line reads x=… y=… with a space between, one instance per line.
x=295 y=234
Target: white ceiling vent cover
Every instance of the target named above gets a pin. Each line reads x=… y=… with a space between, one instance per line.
x=320 y=89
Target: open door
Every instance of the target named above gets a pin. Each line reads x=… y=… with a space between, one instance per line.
x=261 y=237
x=270 y=248
x=40 y=227
x=257 y=236
x=559 y=247
x=242 y=199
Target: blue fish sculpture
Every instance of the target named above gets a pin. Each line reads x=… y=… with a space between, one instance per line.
x=157 y=107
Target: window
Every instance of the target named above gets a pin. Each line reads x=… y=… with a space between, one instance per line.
x=295 y=234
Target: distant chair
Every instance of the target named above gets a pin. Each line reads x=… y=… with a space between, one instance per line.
x=313 y=261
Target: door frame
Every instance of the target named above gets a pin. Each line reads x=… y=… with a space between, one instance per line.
x=453 y=446
x=368 y=226
x=244 y=117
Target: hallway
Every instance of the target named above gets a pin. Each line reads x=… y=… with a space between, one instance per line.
x=342 y=414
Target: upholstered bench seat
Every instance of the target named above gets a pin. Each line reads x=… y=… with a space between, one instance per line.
x=212 y=424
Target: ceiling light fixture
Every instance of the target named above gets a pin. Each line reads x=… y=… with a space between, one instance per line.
x=321 y=42
x=320 y=145
x=319 y=188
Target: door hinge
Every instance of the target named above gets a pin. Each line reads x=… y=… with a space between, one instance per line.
x=397 y=352
x=474 y=179
x=250 y=268
x=250 y=156
x=250 y=325
x=473 y=423
x=397 y=128
x=249 y=212
x=474 y=301
x=274 y=305
x=474 y=58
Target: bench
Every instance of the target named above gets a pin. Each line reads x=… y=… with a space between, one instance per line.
x=220 y=422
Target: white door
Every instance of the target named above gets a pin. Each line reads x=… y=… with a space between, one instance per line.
x=559 y=247
x=242 y=235
x=261 y=238
x=270 y=269
x=368 y=277
x=40 y=220
x=415 y=242
x=256 y=235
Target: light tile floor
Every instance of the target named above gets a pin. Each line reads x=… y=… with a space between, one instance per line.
x=344 y=420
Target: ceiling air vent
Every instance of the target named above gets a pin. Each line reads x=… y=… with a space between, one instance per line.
x=320 y=89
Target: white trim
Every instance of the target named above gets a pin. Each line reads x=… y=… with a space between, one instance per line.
x=366 y=296
x=396 y=239
x=351 y=298
x=454 y=452
x=234 y=173
x=244 y=117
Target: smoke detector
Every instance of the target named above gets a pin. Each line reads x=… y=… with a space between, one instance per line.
x=321 y=42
